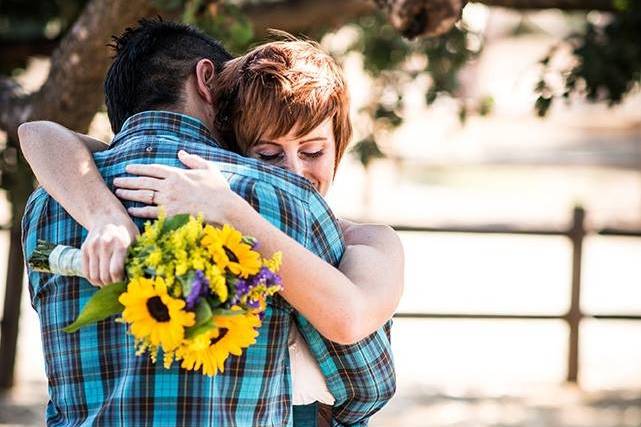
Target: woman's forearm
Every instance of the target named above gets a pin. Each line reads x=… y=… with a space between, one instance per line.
x=344 y=306
x=63 y=164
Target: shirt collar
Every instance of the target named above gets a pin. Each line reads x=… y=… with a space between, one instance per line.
x=158 y=122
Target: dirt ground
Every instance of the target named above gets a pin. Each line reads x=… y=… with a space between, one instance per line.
x=553 y=407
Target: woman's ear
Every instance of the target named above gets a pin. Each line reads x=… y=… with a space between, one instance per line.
x=205 y=74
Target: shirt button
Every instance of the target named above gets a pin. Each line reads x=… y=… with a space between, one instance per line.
x=149 y=149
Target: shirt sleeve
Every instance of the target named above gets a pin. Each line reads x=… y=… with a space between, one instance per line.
x=324 y=231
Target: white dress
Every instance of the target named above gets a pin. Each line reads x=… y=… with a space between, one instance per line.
x=308 y=383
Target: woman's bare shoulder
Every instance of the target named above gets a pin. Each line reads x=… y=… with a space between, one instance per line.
x=368 y=233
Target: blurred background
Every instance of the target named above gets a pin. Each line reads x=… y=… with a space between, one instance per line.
x=502 y=139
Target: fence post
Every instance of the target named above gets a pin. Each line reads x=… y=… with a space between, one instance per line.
x=574 y=314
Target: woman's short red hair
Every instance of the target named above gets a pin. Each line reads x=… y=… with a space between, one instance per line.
x=279 y=86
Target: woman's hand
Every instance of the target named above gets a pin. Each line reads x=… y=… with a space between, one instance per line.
x=199 y=189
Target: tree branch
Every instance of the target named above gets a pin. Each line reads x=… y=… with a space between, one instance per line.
x=303 y=16
x=600 y=5
x=410 y=17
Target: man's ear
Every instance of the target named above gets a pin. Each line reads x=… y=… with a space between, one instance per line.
x=205 y=74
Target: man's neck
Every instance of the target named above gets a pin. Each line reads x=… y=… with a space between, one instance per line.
x=206 y=121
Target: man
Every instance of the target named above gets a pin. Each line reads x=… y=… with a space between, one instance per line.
x=94 y=375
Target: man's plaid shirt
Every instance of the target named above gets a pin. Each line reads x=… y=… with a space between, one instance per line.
x=95 y=377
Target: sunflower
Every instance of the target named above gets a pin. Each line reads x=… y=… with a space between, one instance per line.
x=210 y=349
x=229 y=251
x=155 y=317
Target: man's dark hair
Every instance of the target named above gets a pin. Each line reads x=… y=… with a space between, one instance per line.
x=152 y=62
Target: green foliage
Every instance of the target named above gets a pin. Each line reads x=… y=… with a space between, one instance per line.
x=394 y=63
x=367 y=150
x=222 y=20
x=103 y=304
x=608 y=61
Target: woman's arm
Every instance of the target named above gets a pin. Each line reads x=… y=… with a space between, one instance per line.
x=63 y=164
x=344 y=305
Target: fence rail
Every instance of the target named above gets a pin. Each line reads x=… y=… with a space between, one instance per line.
x=576 y=232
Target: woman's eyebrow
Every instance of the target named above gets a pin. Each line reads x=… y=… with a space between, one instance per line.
x=316 y=138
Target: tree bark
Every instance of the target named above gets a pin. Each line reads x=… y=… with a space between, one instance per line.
x=73 y=91
x=601 y=5
x=304 y=16
x=71 y=95
x=411 y=18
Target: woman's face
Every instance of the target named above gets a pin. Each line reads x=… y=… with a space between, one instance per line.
x=311 y=156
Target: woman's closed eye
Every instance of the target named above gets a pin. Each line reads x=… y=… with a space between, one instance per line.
x=270 y=157
x=313 y=155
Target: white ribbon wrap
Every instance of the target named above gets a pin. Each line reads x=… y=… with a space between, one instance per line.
x=66 y=261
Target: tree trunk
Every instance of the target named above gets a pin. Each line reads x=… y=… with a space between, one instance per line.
x=11 y=311
x=22 y=182
x=73 y=91
x=71 y=95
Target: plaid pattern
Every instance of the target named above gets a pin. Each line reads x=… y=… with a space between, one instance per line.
x=95 y=377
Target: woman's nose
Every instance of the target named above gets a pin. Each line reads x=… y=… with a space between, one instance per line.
x=295 y=165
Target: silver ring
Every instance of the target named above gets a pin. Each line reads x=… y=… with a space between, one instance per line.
x=153 y=197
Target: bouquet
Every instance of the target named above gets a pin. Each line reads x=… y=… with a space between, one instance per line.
x=193 y=293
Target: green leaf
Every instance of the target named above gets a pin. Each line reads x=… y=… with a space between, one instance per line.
x=213 y=300
x=227 y=312
x=204 y=317
x=168 y=4
x=186 y=282
x=102 y=304
x=203 y=312
x=174 y=223
x=196 y=330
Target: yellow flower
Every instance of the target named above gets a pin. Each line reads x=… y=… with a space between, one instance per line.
x=155 y=257
x=209 y=350
x=155 y=316
x=217 y=282
x=229 y=252
x=274 y=262
x=197 y=260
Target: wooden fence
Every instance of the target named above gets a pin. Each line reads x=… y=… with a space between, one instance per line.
x=576 y=232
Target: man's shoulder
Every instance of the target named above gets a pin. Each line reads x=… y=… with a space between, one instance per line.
x=163 y=148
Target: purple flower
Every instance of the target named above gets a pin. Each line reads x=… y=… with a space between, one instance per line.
x=199 y=287
x=266 y=276
x=253 y=303
x=242 y=289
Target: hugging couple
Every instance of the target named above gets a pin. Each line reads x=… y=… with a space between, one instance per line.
x=253 y=142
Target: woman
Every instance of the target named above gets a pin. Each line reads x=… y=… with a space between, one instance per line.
x=284 y=103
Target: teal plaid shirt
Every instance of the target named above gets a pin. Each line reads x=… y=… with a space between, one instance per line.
x=95 y=377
